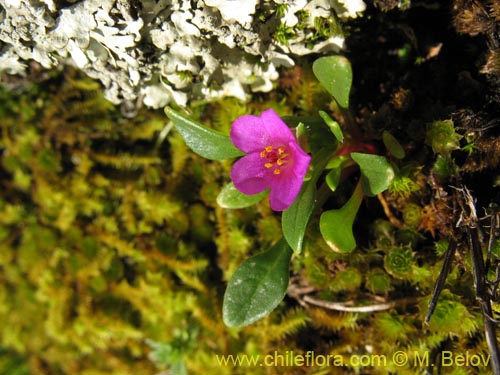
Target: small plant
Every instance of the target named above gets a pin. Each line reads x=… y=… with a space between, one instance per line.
x=300 y=163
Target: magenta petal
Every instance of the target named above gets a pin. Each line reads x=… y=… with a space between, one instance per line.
x=285 y=188
x=283 y=193
x=253 y=133
x=301 y=161
x=248 y=133
x=281 y=168
x=276 y=129
x=249 y=175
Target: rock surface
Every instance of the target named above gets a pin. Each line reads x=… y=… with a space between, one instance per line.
x=157 y=52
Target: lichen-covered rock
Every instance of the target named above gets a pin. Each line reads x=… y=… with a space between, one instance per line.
x=170 y=51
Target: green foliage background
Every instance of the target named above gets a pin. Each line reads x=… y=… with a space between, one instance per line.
x=114 y=254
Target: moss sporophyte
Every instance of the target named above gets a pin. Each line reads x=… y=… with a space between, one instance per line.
x=273 y=158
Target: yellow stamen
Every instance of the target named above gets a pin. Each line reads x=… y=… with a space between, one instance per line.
x=276 y=157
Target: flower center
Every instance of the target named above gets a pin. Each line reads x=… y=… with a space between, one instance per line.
x=274 y=158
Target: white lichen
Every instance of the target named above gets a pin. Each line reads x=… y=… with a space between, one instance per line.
x=353 y=8
x=235 y=10
x=162 y=51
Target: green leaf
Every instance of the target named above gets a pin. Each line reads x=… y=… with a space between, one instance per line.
x=204 y=141
x=257 y=286
x=315 y=130
x=295 y=219
x=230 y=197
x=335 y=75
x=301 y=135
x=333 y=125
x=336 y=165
x=336 y=225
x=392 y=144
x=333 y=178
x=376 y=172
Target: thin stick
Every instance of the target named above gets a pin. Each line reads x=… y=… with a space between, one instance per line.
x=387 y=210
x=438 y=287
x=479 y=271
x=340 y=306
x=484 y=299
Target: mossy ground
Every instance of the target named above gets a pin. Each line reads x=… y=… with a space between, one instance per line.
x=114 y=255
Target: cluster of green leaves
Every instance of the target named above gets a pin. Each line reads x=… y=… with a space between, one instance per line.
x=391 y=265
x=260 y=283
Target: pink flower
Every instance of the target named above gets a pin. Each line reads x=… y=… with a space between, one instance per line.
x=274 y=160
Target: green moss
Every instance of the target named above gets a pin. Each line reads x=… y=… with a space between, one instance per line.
x=412 y=215
x=452 y=317
x=378 y=281
x=114 y=255
x=445 y=167
x=398 y=262
x=441 y=136
x=347 y=280
x=392 y=327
